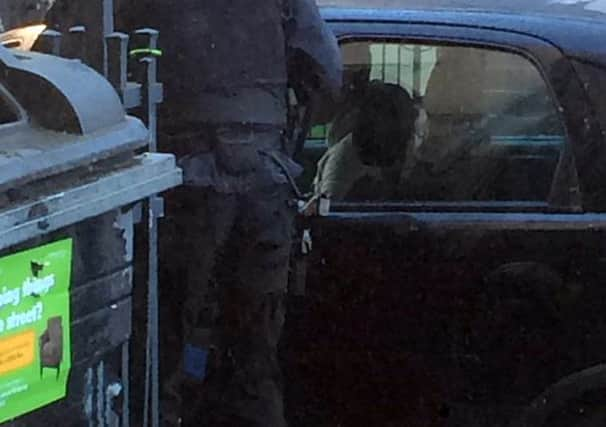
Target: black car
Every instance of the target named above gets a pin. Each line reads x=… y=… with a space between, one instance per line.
x=458 y=278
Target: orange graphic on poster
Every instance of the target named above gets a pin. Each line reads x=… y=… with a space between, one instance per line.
x=17 y=352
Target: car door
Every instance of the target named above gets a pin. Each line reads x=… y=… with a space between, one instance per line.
x=471 y=285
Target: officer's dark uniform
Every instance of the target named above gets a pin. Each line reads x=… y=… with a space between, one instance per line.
x=243 y=209
x=225 y=117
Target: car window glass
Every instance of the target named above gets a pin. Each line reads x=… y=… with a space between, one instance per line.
x=438 y=123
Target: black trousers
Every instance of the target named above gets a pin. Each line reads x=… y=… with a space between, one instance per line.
x=235 y=251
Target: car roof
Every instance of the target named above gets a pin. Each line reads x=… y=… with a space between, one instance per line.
x=578 y=28
x=585 y=9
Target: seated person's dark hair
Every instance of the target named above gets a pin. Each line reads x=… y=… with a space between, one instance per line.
x=385 y=124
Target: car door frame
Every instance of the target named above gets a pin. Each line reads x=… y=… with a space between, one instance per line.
x=583 y=133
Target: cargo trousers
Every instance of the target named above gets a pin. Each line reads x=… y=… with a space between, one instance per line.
x=235 y=249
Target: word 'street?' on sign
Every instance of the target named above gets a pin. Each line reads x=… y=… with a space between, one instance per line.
x=35 y=352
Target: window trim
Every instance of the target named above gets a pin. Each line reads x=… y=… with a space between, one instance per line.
x=550 y=204
x=451 y=207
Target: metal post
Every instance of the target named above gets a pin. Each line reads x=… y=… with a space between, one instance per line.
x=153 y=89
x=108 y=17
x=126 y=384
x=153 y=95
x=400 y=47
x=416 y=72
x=108 y=28
x=76 y=46
x=383 y=59
x=50 y=42
x=117 y=61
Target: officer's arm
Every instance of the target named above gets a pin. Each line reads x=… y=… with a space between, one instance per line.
x=338 y=170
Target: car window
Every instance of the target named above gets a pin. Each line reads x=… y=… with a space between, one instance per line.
x=438 y=123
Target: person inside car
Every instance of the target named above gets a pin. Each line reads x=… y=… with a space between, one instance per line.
x=356 y=79
x=366 y=163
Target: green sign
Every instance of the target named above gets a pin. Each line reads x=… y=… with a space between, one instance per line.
x=35 y=353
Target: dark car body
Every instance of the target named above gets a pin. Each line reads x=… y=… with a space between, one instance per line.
x=467 y=312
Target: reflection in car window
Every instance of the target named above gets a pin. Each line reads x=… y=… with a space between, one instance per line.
x=484 y=126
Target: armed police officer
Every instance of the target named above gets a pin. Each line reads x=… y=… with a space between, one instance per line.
x=227 y=68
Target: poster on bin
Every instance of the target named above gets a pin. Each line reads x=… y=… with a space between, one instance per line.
x=35 y=353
